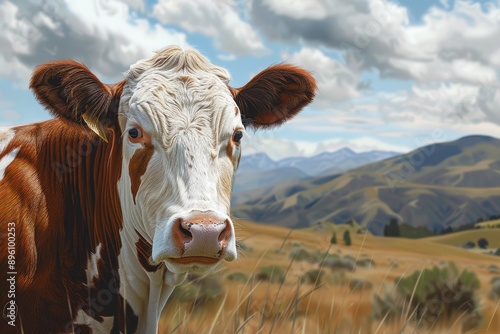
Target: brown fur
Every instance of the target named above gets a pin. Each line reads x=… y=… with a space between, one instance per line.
x=61 y=193
x=144 y=251
x=275 y=95
x=137 y=167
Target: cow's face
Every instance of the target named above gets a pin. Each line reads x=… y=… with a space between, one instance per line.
x=181 y=131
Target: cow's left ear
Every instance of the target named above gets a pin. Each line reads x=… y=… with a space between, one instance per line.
x=69 y=90
x=275 y=95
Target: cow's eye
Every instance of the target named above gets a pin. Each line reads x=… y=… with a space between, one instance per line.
x=237 y=136
x=135 y=133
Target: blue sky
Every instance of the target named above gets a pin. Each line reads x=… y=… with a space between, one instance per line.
x=392 y=75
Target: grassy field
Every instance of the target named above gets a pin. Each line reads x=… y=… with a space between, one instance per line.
x=459 y=238
x=275 y=285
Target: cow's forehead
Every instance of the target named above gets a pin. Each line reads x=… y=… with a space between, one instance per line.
x=177 y=89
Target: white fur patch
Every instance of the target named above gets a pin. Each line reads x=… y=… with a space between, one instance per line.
x=91 y=270
x=7 y=160
x=105 y=326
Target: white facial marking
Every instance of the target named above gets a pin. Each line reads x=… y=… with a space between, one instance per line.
x=7 y=160
x=183 y=103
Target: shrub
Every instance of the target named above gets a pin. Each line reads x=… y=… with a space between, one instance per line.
x=493 y=269
x=241 y=246
x=318 y=256
x=237 y=277
x=337 y=278
x=358 y=284
x=314 y=276
x=495 y=288
x=199 y=290
x=440 y=293
x=335 y=263
x=271 y=273
x=300 y=254
x=368 y=262
x=469 y=245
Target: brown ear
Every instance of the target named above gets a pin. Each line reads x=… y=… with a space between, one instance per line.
x=275 y=95
x=68 y=89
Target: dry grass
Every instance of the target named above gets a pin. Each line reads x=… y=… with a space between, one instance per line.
x=331 y=305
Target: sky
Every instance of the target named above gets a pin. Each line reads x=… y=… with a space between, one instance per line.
x=392 y=75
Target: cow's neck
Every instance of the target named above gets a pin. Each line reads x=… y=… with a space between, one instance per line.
x=83 y=186
x=146 y=286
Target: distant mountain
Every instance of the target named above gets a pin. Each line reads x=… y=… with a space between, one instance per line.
x=256 y=179
x=257 y=170
x=435 y=186
x=322 y=164
x=257 y=161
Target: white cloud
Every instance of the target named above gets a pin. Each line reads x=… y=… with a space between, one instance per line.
x=278 y=149
x=217 y=19
x=450 y=45
x=106 y=35
x=336 y=82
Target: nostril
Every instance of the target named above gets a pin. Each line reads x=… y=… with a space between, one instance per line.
x=223 y=236
x=184 y=228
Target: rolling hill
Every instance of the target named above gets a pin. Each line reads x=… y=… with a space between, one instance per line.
x=435 y=186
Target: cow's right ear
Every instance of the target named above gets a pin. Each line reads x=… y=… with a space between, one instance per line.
x=69 y=90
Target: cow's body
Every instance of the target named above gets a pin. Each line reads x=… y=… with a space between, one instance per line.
x=108 y=221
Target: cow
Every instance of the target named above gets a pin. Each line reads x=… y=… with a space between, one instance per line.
x=105 y=208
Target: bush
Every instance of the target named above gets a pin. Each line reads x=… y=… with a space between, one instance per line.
x=335 y=263
x=337 y=278
x=271 y=273
x=314 y=276
x=437 y=295
x=493 y=269
x=469 y=245
x=300 y=254
x=199 y=290
x=237 y=277
x=241 y=246
x=365 y=263
x=495 y=288
x=358 y=284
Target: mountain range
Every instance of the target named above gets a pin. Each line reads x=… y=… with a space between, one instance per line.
x=434 y=186
x=258 y=169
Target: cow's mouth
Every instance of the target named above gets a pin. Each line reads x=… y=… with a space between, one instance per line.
x=194 y=259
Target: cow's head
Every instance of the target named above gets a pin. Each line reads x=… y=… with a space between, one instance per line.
x=181 y=128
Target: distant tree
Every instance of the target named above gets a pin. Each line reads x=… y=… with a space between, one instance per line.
x=480 y=220
x=392 y=230
x=469 y=244
x=350 y=222
x=333 y=240
x=482 y=243
x=447 y=230
x=347 y=238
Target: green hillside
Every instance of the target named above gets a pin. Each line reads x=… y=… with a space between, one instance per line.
x=436 y=186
